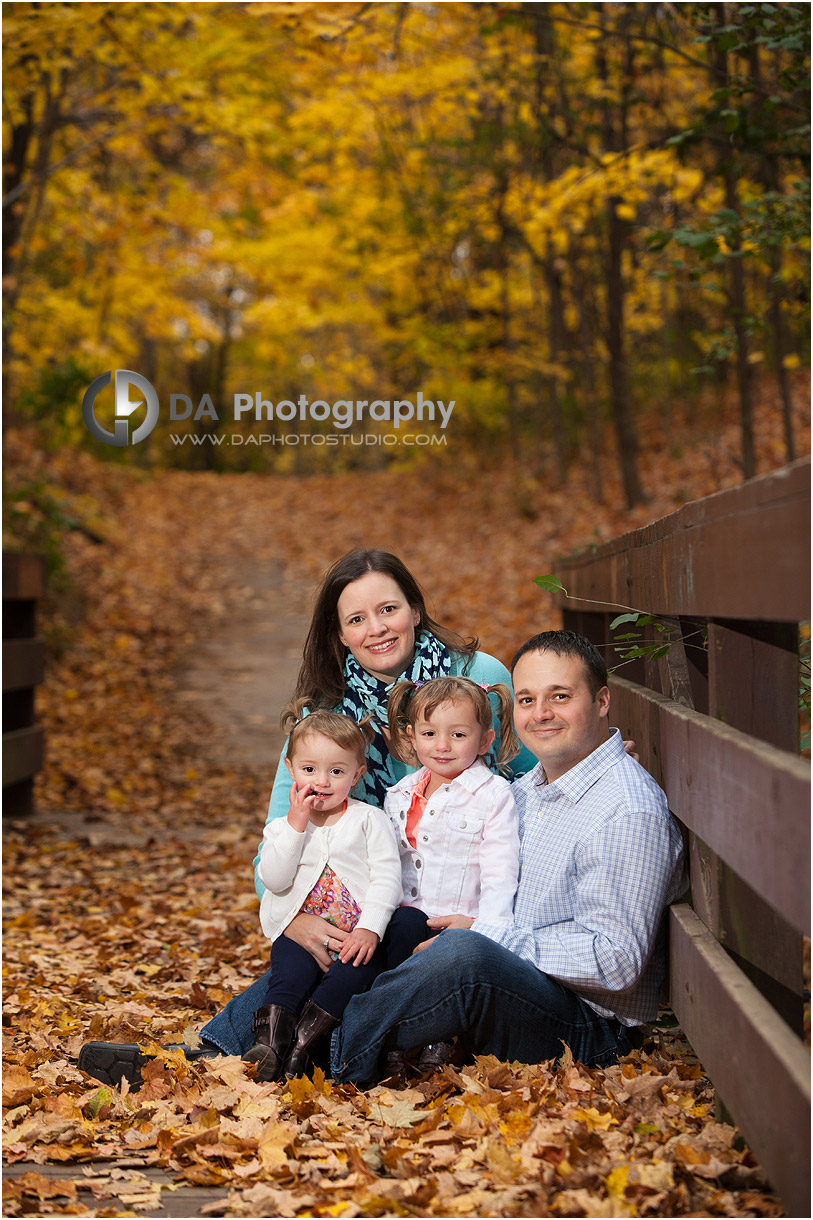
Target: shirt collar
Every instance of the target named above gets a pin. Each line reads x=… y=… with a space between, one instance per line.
x=471 y=779
x=575 y=782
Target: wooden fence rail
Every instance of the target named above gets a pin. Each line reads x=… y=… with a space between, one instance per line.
x=23 y=667
x=717 y=724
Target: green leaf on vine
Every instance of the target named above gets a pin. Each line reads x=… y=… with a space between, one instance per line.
x=551 y=584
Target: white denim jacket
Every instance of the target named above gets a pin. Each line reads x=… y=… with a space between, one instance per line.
x=360 y=849
x=467 y=856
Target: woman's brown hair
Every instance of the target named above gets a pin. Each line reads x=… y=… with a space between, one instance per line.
x=410 y=701
x=321 y=678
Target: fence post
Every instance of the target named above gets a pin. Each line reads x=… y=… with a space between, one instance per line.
x=23 y=669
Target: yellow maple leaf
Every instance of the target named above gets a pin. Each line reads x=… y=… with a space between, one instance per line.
x=594 y=1119
x=273 y=1144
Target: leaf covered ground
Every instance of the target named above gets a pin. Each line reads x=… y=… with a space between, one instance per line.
x=141 y=920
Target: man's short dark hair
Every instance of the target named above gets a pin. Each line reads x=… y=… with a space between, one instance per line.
x=568 y=644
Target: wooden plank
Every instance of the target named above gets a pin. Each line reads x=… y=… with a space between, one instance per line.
x=700 y=560
x=748 y=801
x=23 y=751
x=754 y=679
x=762 y=1071
x=23 y=575
x=765 y=945
x=23 y=664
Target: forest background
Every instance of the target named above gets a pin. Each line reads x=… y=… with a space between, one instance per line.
x=584 y=224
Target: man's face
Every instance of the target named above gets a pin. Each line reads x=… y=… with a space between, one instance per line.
x=555 y=714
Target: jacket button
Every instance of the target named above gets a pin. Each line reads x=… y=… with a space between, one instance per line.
x=431 y=813
x=403 y=815
x=417 y=864
x=463 y=824
x=414 y=892
x=426 y=838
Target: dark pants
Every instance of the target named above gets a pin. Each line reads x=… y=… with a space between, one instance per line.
x=295 y=974
x=231 y=1029
x=468 y=987
x=405 y=931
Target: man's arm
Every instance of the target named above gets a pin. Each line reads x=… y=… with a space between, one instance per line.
x=625 y=874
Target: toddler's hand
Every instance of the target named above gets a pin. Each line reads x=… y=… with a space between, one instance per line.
x=629 y=746
x=359 y=947
x=300 y=802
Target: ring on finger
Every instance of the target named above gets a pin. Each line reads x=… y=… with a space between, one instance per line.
x=327 y=941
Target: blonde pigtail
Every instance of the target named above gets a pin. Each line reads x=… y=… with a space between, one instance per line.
x=509 y=742
x=398 y=720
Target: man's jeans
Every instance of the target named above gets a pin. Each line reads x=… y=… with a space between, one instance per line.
x=468 y=987
x=231 y=1030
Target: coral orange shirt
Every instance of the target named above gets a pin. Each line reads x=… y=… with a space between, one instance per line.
x=416 y=810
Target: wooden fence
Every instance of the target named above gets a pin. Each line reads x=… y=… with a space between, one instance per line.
x=23 y=664
x=717 y=724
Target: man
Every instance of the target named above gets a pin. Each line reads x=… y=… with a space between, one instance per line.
x=582 y=961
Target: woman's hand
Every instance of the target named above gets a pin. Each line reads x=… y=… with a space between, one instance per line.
x=359 y=946
x=316 y=935
x=301 y=802
x=629 y=746
x=444 y=921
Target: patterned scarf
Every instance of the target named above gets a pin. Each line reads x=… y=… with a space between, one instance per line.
x=365 y=695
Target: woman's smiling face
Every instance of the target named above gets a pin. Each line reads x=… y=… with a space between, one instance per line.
x=377 y=624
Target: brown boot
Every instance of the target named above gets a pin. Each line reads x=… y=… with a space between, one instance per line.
x=313 y=1024
x=273 y=1028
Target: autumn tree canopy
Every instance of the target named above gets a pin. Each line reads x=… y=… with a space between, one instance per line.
x=555 y=215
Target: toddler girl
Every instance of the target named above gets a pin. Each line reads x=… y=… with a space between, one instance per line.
x=456 y=821
x=332 y=856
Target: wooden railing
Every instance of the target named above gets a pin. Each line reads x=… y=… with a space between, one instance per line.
x=23 y=664
x=717 y=724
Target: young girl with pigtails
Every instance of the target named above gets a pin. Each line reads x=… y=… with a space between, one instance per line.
x=456 y=821
x=335 y=857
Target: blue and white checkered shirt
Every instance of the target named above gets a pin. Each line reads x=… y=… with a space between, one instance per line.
x=601 y=857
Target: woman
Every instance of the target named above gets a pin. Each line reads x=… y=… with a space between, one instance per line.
x=370 y=628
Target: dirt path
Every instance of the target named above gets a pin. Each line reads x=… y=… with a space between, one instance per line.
x=242 y=676
x=239 y=677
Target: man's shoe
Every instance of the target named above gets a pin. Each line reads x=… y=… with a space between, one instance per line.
x=109 y=1062
x=273 y=1033
x=434 y=1056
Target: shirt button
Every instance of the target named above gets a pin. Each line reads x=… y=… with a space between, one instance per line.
x=463 y=824
x=414 y=892
x=403 y=815
x=426 y=838
x=417 y=864
x=431 y=813
x=404 y=843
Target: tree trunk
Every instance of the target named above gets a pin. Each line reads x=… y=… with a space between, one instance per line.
x=588 y=340
x=738 y=296
x=615 y=141
x=780 y=351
